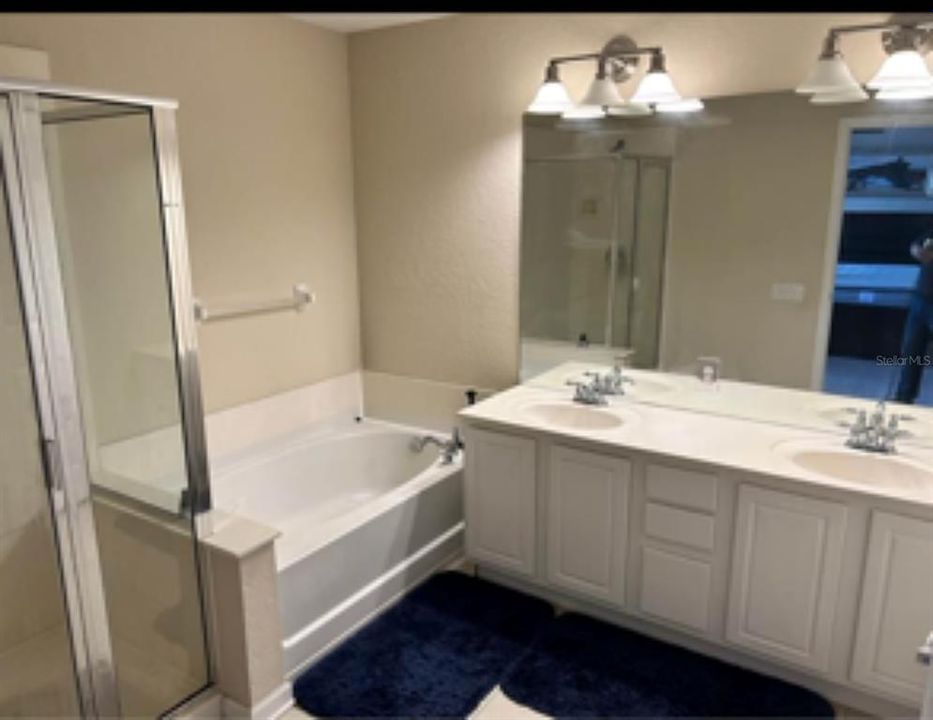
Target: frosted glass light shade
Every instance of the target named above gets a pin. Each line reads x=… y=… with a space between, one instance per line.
x=830 y=74
x=602 y=92
x=686 y=105
x=902 y=94
x=552 y=99
x=584 y=112
x=656 y=87
x=903 y=69
x=839 y=97
x=628 y=109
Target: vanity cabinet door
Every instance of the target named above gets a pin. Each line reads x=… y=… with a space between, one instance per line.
x=896 y=610
x=587 y=522
x=500 y=500
x=787 y=555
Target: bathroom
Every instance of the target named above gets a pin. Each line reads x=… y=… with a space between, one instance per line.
x=346 y=376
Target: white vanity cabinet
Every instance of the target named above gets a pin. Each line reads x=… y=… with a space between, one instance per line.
x=896 y=609
x=501 y=500
x=819 y=585
x=587 y=522
x=786 y=564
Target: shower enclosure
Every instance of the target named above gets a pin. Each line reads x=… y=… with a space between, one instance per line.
x=592 y=252
x=102 y=463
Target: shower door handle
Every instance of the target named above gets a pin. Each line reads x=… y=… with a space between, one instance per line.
x=52 y=472
x=925 y=651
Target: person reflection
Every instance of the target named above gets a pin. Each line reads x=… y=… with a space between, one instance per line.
x=919 y=328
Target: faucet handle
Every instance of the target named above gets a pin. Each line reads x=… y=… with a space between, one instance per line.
x=861 y=421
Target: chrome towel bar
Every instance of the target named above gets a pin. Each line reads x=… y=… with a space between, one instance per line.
x=301 y=298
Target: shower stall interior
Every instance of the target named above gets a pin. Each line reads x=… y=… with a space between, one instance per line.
x=102 y=462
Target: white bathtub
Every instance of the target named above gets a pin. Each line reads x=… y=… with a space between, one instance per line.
x=362 y=518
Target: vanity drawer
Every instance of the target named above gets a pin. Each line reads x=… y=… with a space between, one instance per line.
x=684 y=527
x=675 y=588
x=686 y=488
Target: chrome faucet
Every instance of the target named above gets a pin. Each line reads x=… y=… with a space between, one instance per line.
x=612 y=383
x=589 y=393
x=448 y=448
x=876 y=433
x=601 y=385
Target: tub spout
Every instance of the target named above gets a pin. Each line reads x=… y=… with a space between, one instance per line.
x=448 y=448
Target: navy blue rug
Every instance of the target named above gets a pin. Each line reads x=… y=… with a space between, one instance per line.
x=580 y=667
x=437 y=653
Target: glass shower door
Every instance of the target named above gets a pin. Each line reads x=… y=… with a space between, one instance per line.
x=104 y=214
x=37 y=672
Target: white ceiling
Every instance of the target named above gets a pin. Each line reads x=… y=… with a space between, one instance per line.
x=354 y=22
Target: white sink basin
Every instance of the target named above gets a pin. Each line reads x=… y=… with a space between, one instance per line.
x=572 y=417
x=895 y=472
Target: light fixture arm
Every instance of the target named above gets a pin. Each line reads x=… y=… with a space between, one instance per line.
x=895 y=36
x=618 y=59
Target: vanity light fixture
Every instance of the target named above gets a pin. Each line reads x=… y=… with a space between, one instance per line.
x=601 y=94
x=552 y=97
x=656 y=86
x=615 y=64
x=684 y=105
x=904 y=75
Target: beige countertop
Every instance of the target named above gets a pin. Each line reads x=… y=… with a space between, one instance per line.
x=724 y=441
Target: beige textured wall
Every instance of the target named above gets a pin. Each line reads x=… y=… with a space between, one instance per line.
x=437 y=145
x=770 y=170
x=266 y=159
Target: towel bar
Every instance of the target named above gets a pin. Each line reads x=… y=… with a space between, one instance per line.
x=301 y=298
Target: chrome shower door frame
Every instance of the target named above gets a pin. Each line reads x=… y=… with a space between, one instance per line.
x=59 y=411
x=55 y=379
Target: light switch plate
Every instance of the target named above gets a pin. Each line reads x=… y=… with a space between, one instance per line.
x=788 y=292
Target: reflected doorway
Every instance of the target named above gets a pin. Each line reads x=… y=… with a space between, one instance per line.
x=877 y=347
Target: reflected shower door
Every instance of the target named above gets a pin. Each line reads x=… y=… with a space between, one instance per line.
x=568 y=231
x=642 y=241
x=101 y=172
x=37 y=673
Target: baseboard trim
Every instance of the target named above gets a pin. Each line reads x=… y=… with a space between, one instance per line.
x=272 y=706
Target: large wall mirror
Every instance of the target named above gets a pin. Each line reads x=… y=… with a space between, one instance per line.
x=781 y=239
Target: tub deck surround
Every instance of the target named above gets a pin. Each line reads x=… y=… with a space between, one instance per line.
x=715 y=440
x=415 y=401
x=242 y=427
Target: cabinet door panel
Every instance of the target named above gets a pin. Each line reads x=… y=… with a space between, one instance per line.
x=587 y=522
x=896 y=611
x=500 y=490
x=786 y=563
x=675 y=588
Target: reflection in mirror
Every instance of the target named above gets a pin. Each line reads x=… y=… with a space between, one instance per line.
x=787 y=241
